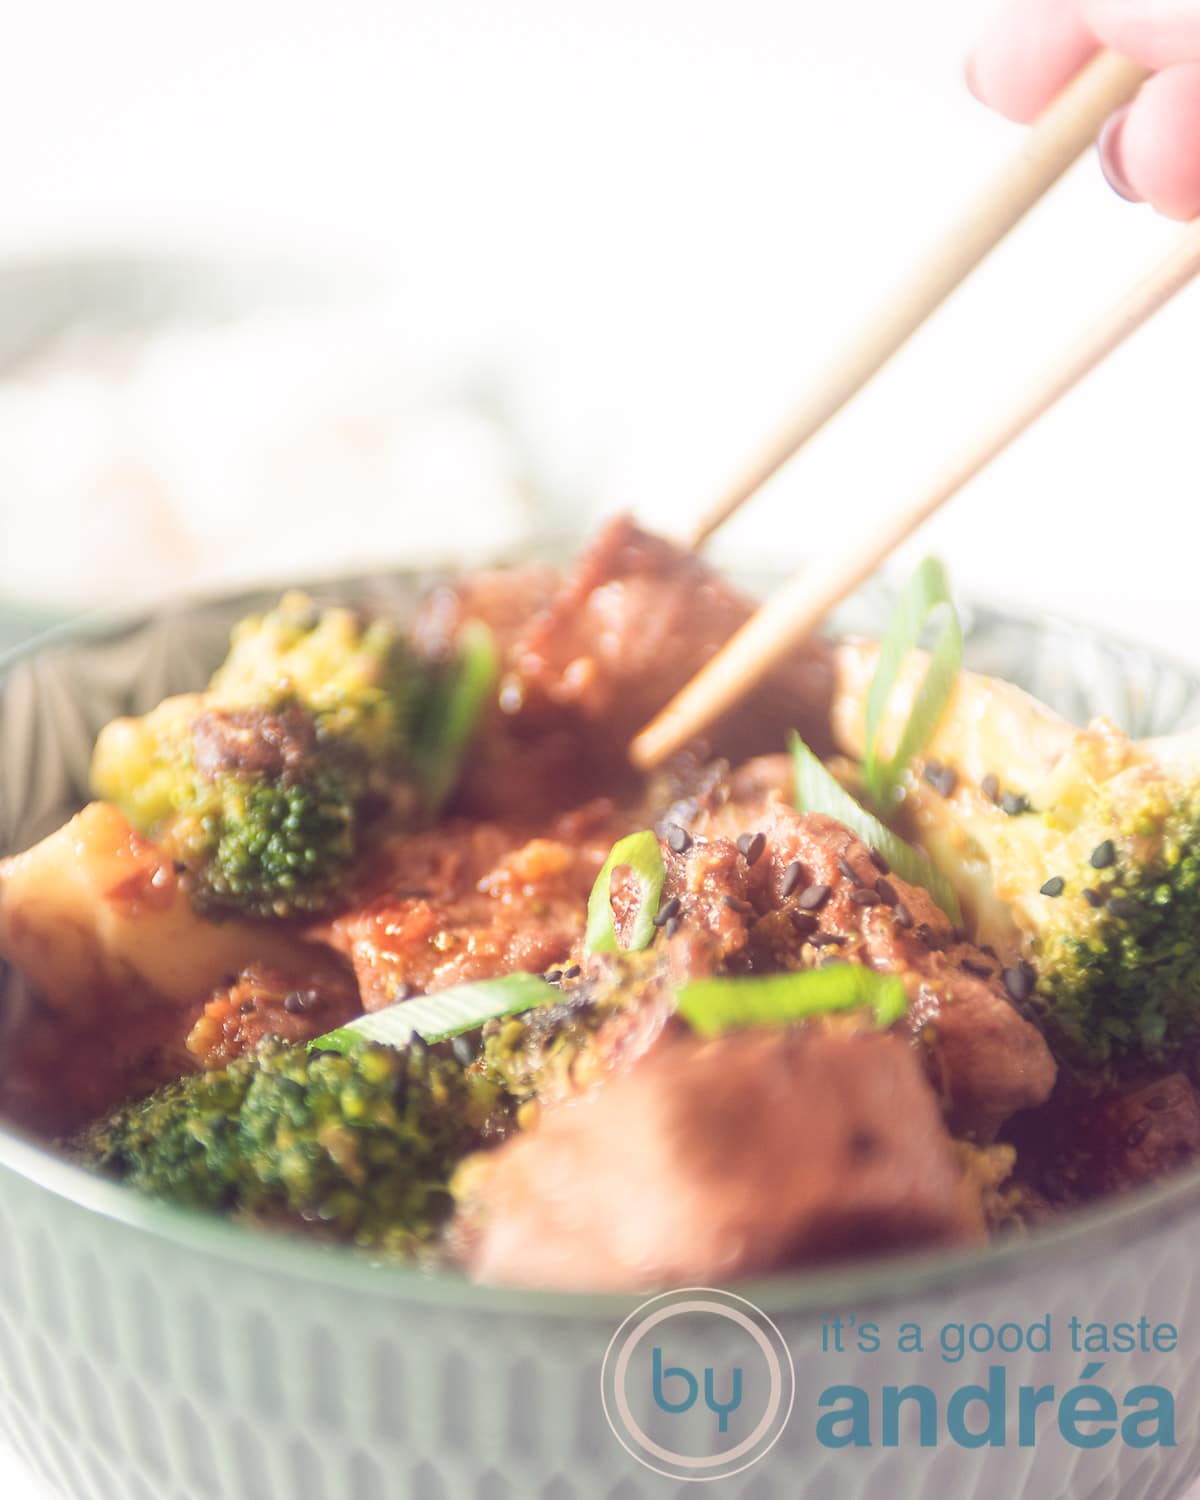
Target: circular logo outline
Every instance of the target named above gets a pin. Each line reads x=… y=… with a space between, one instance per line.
x=782 y=1372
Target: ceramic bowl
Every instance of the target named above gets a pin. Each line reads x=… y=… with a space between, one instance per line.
x=152 y=1353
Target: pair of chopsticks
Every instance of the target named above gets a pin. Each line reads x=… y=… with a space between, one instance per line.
x=1063 y=132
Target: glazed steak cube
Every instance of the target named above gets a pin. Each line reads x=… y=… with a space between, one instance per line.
x=708 y=1160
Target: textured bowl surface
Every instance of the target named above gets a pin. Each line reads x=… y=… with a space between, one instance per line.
x=150 y=1354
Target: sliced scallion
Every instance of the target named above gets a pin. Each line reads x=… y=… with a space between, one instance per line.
x=925 y=599
x=818 y=791
x=715 y=1006
x=640 y=854
x=452 y=710
x=444 y=1014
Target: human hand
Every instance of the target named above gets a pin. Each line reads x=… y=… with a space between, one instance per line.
x=1150 y=151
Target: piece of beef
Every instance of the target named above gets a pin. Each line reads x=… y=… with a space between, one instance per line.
x=503 y=599
x=1082 y=1144
x=515 y=767
x=637 y=618
x=587 y=662
x=708 y=1160
x=294 y=1004
x=1141 y=1135
x=470 y=900
x=60 y=1071
x=762 y=887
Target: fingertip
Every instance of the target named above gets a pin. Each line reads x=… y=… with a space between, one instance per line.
x=1158 y=144
x=1157 y=33
x=1031 y=49
x=999 y=86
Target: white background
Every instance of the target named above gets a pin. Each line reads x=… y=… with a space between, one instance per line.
x=652 y=218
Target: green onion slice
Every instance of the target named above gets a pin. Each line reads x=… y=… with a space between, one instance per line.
x=445 y=1014
x=452 y=710
x=818 y=791
x=641 y=854
x=715 y=1006
x=924 y=598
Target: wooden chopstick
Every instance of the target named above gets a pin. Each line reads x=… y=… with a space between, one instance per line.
x=799 y=607
x=1064 y=130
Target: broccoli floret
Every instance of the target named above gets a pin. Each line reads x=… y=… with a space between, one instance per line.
x=355 y=679
x=264 y=786
x=607 y=1016
x=360 y=1146
x=1093 y=875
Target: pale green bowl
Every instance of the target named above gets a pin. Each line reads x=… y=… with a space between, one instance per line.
x=150 y=1353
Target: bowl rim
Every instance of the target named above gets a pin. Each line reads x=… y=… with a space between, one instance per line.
x=1082 y=1233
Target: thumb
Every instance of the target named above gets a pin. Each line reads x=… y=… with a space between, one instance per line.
x=1155 y=32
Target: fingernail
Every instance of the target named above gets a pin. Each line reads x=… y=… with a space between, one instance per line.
x=1109 y=148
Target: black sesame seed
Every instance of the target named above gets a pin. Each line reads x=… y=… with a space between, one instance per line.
x=1055 y=886
x=1014 y=803
x=804 y=922
x=827 y=940
x=180 y=867
x=246 y=1008
x=904 y=917
x=879 y=862
x=887 y=892
x=1093 y=898
x=1158 y=1103
x=1018 y=983
x=751 y=845
x=989 y=950
x=294 y=1003
x=933 y=770
x=1124 y=907
x=573 y=972
x=678 y=838
x=947 y=782
x=735 y=903
x=990 y=787
x=672 y=927
x=813 y=898
x=983 y=971
x=464 y=1050
x=666 y=911
x=553 y=976
x=1104 y=854
x=864 y=896
x=1138 y=1132
x=791 y=879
